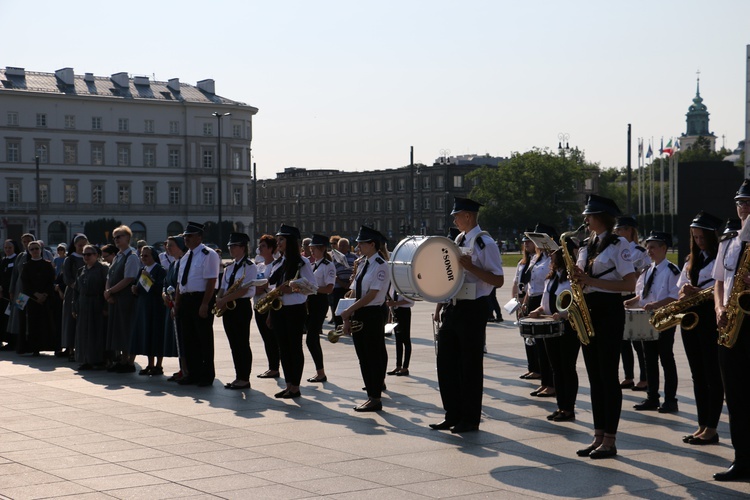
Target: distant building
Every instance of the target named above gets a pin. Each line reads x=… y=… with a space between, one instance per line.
x=140 y=151
x=697 y=123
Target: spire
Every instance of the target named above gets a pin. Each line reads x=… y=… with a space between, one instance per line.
x=697 y=115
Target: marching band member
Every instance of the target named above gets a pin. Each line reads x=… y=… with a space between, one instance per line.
x=266 y=251
x=700 y=344
x=288 y=323
x=518 y=291
x=627 y=227
x=657 y=287
x=237 y=320
x=370 y=287
x=605 y=270
x=734 y=361
x=324 y=271
x=401 y=311
x=462 y=333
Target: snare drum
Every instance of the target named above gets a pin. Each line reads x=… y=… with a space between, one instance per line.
x=427 y=268
x=541 y=328
x=637 y=326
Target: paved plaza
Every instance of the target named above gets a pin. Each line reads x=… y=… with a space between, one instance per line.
x=104 y=435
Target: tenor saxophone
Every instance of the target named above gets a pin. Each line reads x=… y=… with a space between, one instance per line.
x=572 y=301
x=737 y=306
x=677 y=312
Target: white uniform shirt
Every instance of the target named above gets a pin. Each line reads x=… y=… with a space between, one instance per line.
x=250 y=272
x=726 y=266
x=705 y=275
x=305 y=271
x=561 y=287
x=325 y=273
x=487 y=259
x=617 y=256
x=203 y=267
x=377 y=277
x=640 y=258
x=540 y=266
x=664 y=284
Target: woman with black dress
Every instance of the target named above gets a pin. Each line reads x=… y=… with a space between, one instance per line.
x=148 y=324
x=10 y=250
x=90 y=311
x=71 y=265
x=37 y=283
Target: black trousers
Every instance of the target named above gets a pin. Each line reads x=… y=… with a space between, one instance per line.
x=602 y=358
x=403 y=336
x=270 y=343
x=288 y=323
x=563 y=355
x=369 y=343
x=734 y=364
x=460 y=361
x=198 y=334
x=237 y=327
x=702 y=353
x=317 y=307
x=656 y=351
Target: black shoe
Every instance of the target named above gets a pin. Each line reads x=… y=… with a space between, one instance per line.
x=627 y=385
x=291 y=395
x=394 y=372
x=461 y=428
x=734 y=473
x=639 y=389
x=585 y=452
x=603 y=452
x=552 y=415
x=647 y=404
x=403 y=373
x=687 y=438
x=442 y=426
x=318 y=379
x=280 y=395
x=369 y=405
x=669 y=407
x=237 y=387
x=269 y=374
x=157 y=370
x=701 y=441
x=564 y=417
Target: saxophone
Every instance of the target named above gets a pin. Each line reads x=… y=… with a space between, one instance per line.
x=272 y=300
x=737 y=305
x=573 y=300
x=230 y=305
x=677 y=313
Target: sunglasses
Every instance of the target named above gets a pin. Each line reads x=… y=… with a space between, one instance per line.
x=87 y=254
x=118 y=236
x=742 y=203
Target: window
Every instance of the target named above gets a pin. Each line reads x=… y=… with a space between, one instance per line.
x=440 y=203
x=148 y=126
x=12 y=118
x=389 y=205
x=366 y=206
x=41 y=119
x=70 y=153
x=425 y=182
x=376 y=203
x=322 y=189
x=323 y=208
x=174 y=127
x=365 y=187
x=389 y=185
x=149 y=156
x=283 y=192
x=123 y=124
x=333 y=207
x=355 y=187
x=313 y=208
x=70 y=121
x=14 y=192
x=303 y=208
x=149 y=195
x=439 y=183
x=174 y=195
x=458 y=181
x=441 y=224
x=588 y=184
x=312 y=190
x=174 y=157
x=97 y=154
x=426 y=203
x=208 y=158
x=342 y=188
x=343 y=207
x=401 y=205
x=401 y=184
x=97 y=194
x=377 y=185
x=237 y=197
x=123 y=194
x=123 y=156
x=345 y=226
x=355 y=207
x=41 y=151
x=71 y=193
x=237 y=131
x=333 y=188
x=96 y=123
x=12 y=150
x=208 y=129
x=208 y=195
x=236 y=160
x=43 y=193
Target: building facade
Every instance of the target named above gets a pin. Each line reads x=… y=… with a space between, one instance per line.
x=143 y=152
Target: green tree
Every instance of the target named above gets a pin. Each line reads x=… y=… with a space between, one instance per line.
x=701 y=150
x=99 y=231
x=535 y=186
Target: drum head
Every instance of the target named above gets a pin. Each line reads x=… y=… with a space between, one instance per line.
x=427 y=268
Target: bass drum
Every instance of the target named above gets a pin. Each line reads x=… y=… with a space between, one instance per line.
x=427 y=268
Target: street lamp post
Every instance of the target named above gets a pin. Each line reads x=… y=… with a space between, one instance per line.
x=219 y=116
x=299 y=217
x=38 y=197
x=563 y=145
x=265 y=203
x=419 y=186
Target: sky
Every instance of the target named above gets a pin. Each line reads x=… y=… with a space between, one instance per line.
x=352 y=85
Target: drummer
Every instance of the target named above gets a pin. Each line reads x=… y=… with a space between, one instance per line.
x=657 y=287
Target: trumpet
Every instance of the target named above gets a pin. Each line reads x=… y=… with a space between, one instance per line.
x=335 y=335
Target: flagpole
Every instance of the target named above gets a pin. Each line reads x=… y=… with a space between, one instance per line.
x=651 y=177
x=661 y=183
x=640 y=176
x=630 y=175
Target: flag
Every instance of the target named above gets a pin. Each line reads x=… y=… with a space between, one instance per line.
x=669 y=149
x=650 y=152
x=676 y=145
x=640 y=149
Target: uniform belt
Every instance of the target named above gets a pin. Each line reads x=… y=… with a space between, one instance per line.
x=192 y=293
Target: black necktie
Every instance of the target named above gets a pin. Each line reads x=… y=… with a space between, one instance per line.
x=234 y=271
x=361 y=276
x=461 y=240
x=183 y=281
x=649 y=282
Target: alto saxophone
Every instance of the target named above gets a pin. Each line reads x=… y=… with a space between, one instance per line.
x=573 y=300
x=737 y=306
x=677 y=312
x=230 y=305
x=272 y=300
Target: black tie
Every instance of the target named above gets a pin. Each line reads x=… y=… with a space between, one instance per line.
x=461 y=240
x=649 y=282
x=234 y=271
x=183 y=281
x=361 y=276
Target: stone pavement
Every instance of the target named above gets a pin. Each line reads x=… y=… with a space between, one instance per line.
x=105 y=435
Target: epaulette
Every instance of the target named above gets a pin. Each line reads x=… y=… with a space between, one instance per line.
x=379 y=260
x=325 y=262
x=480 y=242
x=638 y=247
x=728 y=236
x=675 y=270
x=205 y=251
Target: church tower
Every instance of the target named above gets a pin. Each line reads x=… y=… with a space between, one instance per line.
x=697 y=122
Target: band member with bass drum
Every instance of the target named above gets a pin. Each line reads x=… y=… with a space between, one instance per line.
x=462 y=333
